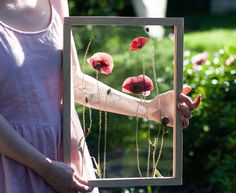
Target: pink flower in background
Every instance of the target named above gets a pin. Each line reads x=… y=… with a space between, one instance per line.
x=102 y=62
x=119 y=150
x=138 y=43
x=200 y=58
x=141 y=84
x=230 y=60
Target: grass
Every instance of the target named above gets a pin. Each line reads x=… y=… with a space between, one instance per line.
x=211 y=40
x=209 y=32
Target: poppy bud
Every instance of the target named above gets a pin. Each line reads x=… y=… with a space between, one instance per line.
x=165 y=120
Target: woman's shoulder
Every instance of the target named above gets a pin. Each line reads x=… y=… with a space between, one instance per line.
x=61 y=6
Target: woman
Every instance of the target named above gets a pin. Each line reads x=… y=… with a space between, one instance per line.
x=30 y=101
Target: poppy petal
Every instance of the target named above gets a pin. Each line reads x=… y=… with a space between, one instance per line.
x=138 y=43
x=102 y=62
x=141 y=84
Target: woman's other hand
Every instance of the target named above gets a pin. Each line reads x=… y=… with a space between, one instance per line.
x=62 y=178
x=166 y=102
x=187 y=105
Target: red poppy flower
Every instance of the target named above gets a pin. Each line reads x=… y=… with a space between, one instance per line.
x=200 y=58
x=102 y=62
x=138 y=43
x=141 y=84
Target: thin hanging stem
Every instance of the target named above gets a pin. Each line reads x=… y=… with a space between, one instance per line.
x=83 y=125
x=159 y=107
x=85 y=57
x=136 y=139
x=154 y=71
x=142 y=55
x=83 y=120
x=86 y=132
x=90 y=122
x=105 y=136
x=149 y=145
x=105 y=146
x=99 y=132
x=149 y=150
x=148 y=157
x=161 y=146
x=155 y=145
x=83 y=109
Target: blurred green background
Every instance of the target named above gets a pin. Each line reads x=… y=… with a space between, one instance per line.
x=210 y=140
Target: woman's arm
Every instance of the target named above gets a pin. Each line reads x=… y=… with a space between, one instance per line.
x=60 y=176
x=14 y=146
x=94 y=94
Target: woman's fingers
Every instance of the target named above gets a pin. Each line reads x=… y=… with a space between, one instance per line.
x=185 y=111
x=187 y=105
x=78 y=187
x=197 y=101
x=185 y=122
x=81 y=185
x=187 y=100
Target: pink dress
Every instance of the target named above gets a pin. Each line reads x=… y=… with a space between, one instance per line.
x=30 y=96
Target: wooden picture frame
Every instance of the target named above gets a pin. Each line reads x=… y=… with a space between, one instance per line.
x=178 y=24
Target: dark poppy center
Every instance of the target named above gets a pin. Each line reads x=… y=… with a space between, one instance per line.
x=141 y=44
x=98 y=66
x=139 y=87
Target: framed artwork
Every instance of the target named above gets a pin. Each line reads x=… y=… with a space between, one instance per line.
x=127 y=151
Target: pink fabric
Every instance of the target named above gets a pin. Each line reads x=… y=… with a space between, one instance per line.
x=30 y=96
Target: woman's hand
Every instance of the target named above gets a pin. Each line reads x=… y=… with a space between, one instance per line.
x=187 y=105
x=166 y=106
x=63 y=179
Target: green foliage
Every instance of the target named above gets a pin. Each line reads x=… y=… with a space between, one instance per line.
x=209 y=141
x=102 y=7
x=209 y=40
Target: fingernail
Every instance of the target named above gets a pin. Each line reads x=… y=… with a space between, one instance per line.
x=179 y=105
x=197 y=101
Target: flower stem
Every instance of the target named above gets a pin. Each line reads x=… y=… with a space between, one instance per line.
x=83 y=110
x=161 y=146
x=154 y=67
x=105 y=136
x=85 y=57
x=83 y=125
x=99 y=132
x=105 y=146
x=149 y=150
x=159 y=107
x=86 y=132
x=99 y=142
x=136 y=139
x=142 y=55
x=149 y=145
x=155 y=145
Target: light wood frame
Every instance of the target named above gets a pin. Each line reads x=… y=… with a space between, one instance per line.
x=178 y=24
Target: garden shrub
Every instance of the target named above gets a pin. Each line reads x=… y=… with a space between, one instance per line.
x=209 y=143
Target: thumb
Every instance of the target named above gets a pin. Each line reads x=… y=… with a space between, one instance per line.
x=187 y=89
